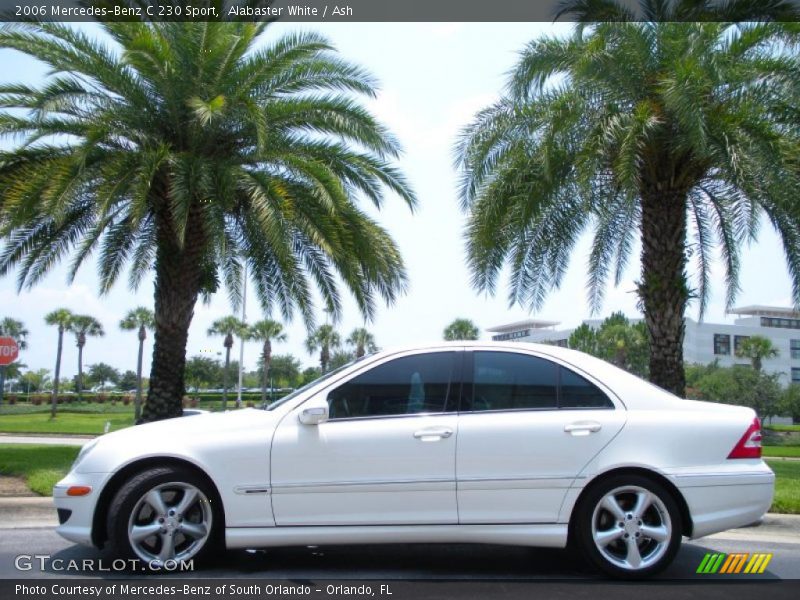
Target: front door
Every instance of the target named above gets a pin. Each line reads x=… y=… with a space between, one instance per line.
x=385 y=456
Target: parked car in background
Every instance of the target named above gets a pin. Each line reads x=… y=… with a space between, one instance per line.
x=456 y=442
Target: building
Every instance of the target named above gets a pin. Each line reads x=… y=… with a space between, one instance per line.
x=703 y=342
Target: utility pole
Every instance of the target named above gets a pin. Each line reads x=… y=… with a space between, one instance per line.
x=241 y=338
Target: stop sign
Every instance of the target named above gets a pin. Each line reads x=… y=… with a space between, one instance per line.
x=8 y=351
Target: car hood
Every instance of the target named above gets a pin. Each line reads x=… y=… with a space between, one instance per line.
x=210 y=422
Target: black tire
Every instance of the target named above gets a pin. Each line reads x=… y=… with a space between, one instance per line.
x=128 y=498
x=610 y=560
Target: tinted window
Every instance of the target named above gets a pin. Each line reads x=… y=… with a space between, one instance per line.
x=409 y=385
x=507 y=381
x=576 y=392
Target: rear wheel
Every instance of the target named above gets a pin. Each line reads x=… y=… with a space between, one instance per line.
x=163 y=516
x=628 y=526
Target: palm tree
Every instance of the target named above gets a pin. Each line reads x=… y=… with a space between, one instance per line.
x=192 y=150
x=325 y=339
x=16 y=330
x=140 y=319
x=461 y=329
x=61 y=318
x=363 y=341
x=648 y=130
x=756 y=348
x=83 y=326
x=588 y=11
x=227 y=326
x=266 y=331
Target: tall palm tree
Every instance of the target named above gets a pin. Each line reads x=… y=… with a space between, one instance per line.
x=461 y=329
x=757 y=348
x=325 y=339
x=192 y=150
x=140 y=319
x=266 y=331
x=678 y=134
x=362 y=340
x=588 y=11
x=228 y=327
x=62 y=319
x=16 y=330
x=83 y=326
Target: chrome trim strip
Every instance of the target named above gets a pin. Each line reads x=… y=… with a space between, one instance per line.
x=251 y=489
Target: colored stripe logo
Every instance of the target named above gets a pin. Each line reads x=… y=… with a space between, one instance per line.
x=731 y=564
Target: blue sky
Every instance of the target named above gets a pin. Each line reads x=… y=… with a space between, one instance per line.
x=433 y=77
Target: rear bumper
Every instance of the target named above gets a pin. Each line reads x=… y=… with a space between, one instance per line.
x=731 y=497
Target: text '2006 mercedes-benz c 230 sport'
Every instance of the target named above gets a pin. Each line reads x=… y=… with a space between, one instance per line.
x=457 y=442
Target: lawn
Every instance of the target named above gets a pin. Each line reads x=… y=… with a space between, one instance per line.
x=65 y=422
x=41 y=466
x=793 y=451
x=783 y=427
x=787 y=486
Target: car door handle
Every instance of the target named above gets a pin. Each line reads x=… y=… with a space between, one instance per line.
x=583 y=427
x=433 y=434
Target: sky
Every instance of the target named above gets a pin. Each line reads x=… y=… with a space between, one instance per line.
x=433 y=78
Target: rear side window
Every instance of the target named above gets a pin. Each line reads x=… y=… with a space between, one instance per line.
x=577 y=392
x=511 y=381
x=508 y=381
x=409 y=385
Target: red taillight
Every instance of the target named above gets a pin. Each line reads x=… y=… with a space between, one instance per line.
x=750 y=444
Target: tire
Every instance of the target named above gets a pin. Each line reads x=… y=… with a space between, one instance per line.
x=613 y=536
x=165 y=514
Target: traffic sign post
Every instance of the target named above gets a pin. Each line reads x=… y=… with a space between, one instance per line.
x=9 y=351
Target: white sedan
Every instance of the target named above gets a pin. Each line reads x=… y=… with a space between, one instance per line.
x=457 y=442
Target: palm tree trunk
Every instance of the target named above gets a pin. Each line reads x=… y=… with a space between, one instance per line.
x=80 y=372
x=663 y=290
x=2 y=382
x=137 y=402
x=54 y=400
x=324 y=358
x=264 y=371
x=177 y=286
x=225 y=378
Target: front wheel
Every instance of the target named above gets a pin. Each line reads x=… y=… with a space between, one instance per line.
x=164 y=516
x=629 y=526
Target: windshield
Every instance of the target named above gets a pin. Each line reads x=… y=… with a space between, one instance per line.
x=298 y=391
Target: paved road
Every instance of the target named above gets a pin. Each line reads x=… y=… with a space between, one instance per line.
x=398 y=562
x=56 y=440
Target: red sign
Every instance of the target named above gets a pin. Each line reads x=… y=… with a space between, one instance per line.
x=8 y=351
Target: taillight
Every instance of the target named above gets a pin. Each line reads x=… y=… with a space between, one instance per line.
x=750 y=444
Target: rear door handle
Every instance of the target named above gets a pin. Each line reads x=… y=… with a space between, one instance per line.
x=433 y=434
x=583 y=427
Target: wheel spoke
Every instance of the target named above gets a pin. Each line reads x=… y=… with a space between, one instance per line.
x=194 y=530
x=658 y=533
x=155 y=500
x=604 y=538
x=633 y=557
x=142 y=532
x=643 y=501
x=189 y=498
x=167 y=547
x=611 y=505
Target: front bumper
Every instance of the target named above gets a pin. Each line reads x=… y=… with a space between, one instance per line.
x=76 y=526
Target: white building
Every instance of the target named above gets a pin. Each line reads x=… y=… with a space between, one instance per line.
x=703 y=342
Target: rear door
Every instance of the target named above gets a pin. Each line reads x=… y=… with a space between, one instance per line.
x=527 y=427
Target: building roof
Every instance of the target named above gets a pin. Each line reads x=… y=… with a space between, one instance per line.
x=520 y=325
x=757 y=310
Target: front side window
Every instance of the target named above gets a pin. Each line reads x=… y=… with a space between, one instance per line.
x=508 y=381
x=409 y=385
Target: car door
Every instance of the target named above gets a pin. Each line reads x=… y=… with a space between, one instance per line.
x=386 y=455
x=527 y=428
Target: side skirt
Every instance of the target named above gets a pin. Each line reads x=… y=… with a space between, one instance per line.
x=546 y=536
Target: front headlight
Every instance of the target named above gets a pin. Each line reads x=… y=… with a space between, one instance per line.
x=84 y=453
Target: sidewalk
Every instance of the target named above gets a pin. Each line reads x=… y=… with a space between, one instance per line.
x=40 y=438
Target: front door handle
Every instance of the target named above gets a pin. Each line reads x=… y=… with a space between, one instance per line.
x=583 y=427
x=432 y=434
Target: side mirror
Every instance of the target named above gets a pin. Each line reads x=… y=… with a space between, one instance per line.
x=314 y=414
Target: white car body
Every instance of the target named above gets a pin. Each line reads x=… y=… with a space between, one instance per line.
x=507 y=477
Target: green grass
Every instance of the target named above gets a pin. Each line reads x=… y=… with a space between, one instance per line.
x=783 y=427
x=80 y=423
x=787 y=486
x=793 y=451
x=40 y=466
